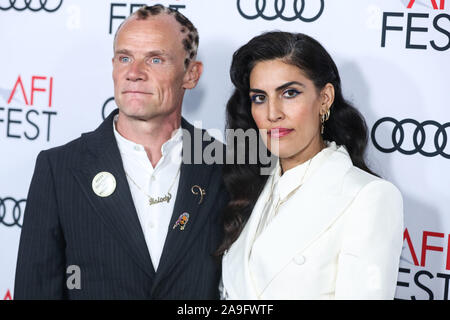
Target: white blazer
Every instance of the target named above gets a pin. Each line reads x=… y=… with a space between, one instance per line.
x=339 y=236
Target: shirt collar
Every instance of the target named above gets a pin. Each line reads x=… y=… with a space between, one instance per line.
x=293 y=178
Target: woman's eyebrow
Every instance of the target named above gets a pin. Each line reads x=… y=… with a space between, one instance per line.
x=288 y=84
x=256 y=90
x=282 y=87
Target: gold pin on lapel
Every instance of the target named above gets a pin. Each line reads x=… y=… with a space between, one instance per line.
x=198 y=190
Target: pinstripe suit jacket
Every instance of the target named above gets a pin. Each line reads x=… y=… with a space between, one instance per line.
x=66 y=223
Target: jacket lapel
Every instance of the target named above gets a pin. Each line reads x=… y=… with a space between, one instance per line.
x=304 y=218
x=117 y=210
x=191 y=174
x=237 y=278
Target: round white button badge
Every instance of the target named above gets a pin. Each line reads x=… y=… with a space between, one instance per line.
x=104 y=184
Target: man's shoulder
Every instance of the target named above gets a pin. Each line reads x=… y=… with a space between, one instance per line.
x=71 y=151
x=97 y=137
x=69 y=147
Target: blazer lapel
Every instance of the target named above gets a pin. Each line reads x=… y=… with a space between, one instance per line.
x=117 y=210
x=237 y=277
x=191 y=174
x=304 y=218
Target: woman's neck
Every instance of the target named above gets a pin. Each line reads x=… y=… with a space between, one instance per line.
x=306 y=154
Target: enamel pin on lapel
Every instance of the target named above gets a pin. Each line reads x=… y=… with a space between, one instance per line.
x=104 y=184
x=182 y=221
x=198 y=190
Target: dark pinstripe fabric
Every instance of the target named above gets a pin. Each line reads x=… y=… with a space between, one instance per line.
x=66 y=223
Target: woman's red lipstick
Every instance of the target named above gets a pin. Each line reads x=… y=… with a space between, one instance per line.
x=279 y=132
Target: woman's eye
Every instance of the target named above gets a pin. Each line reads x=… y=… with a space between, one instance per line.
x=156 y=60
x=291 y=93
x=258 y=98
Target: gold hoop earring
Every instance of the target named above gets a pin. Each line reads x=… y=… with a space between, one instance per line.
x=324 y=117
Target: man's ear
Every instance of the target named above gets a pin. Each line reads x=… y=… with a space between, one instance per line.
x=193 y=73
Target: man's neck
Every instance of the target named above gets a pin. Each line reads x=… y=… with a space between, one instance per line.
x=151 y=134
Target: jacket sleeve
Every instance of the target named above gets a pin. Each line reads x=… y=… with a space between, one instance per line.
x=40 y=270
x=372 y=244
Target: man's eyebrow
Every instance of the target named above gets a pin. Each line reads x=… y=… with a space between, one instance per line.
x=157 y=53
x=148 y=54
x=122 y=51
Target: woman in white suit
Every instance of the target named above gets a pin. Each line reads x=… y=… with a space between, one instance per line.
x=321 y=225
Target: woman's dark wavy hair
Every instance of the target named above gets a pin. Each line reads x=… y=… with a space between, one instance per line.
x=345 y=126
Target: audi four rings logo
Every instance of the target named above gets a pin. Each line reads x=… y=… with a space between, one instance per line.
x=281 y=8
x=32 y=5
x=419 y=137
x=11 y=211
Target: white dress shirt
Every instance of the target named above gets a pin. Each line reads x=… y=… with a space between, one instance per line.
x=145 y=180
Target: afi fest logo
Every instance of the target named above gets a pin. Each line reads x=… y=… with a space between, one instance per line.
x=427 y=24
x=8 y=295
x=29 y=110
x=287 y=10
x=433 y=2
x=31 y=5
x=428 y=284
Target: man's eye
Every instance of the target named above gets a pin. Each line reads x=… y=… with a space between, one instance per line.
x=291 y=93
x=258 y=98
x=156 y=60
x=124 y=59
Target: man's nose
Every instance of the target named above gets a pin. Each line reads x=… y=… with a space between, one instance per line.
x=136 y=71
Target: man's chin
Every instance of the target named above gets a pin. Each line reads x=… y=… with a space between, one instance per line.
x=140 y=114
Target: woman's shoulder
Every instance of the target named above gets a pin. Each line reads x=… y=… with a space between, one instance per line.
x=360 y=183
x=354 y=181
x=376 y=205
